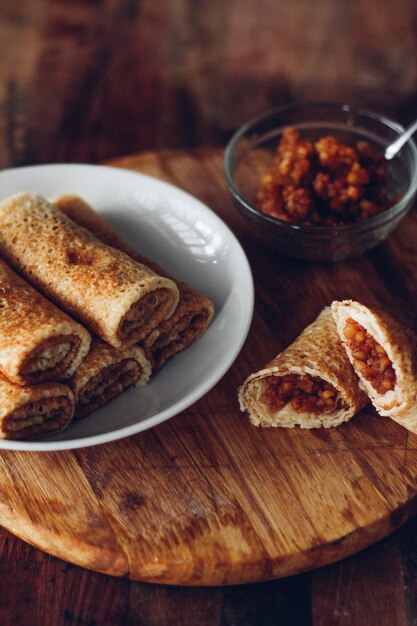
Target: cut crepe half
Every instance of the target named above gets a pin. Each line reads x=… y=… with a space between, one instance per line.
x=194 y=311
x=117 y=298
x=384 y=356
x=310 y=384
x=30 y=412
x=105 y=373
x=38 y=342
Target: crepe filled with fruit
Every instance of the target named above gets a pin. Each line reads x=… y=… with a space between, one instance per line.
x=384 y=356
x=310 y=384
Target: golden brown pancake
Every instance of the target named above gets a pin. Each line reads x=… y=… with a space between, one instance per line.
x=38 y=342
x=118 y=299
x=194 y=311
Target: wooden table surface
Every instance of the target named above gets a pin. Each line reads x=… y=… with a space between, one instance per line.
x=91 y=80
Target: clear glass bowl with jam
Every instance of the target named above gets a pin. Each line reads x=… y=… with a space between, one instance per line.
x=310 y=234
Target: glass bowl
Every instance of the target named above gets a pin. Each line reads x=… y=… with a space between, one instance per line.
x=249 y=155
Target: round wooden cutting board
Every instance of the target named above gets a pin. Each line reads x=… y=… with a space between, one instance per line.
x=206 y=498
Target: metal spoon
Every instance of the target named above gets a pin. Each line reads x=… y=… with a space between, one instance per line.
x=395 y=146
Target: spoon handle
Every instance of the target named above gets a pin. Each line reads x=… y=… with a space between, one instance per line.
x=396 y=145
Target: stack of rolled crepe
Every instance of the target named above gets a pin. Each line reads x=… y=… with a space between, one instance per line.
x=310 y=384
x=119 y=300
x=39 y=344
x=194 y=311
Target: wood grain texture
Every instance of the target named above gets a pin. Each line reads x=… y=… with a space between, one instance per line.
x=206 y=498
x=93 y=79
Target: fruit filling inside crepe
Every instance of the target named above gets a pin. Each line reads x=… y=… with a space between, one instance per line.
x=35 y=418
x=52 y=357
x=105 y=373
x=369 y=357
x=383 y=353
x=151 y=305
x=310 y=383
x=106 y=385
x=305 y=393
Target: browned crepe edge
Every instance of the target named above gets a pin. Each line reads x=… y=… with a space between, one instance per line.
x=316 y=351
x=14 y=398
x=112 y=294
x=29 y=322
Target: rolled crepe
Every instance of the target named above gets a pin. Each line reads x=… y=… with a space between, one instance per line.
x=118 y=299
x=194 y=311
x=29 y=412
x=310 y=384
x=38 y=342
x=105 y=373
x=384 y=356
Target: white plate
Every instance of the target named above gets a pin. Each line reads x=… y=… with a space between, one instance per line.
x=183 y=235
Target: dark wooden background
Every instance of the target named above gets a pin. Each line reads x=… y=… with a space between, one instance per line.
x=90 y=80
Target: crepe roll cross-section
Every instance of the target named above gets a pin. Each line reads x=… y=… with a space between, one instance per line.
x=384 y=356
x=38 y=342
x=310 y=384
x=105 y=373
x=117 y=298
x=30 y=412
x=194 y=311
